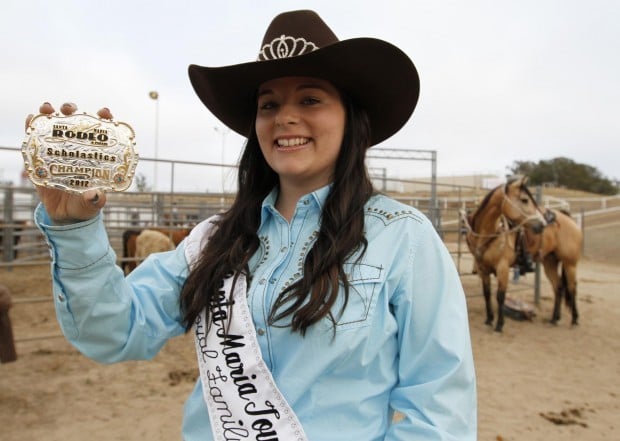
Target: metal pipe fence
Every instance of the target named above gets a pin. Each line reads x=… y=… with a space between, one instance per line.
x=22 y=244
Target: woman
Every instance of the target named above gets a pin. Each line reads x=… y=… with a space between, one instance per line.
x=319 y=307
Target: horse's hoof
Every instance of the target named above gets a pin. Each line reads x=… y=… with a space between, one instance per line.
x=553 y=322
x=498 y=329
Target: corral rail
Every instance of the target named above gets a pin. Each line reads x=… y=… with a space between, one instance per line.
x=22 y=244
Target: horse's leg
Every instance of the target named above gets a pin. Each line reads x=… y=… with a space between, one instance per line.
x=486 y=290
x=569 y=276
x=550 y=264
x=502 y=275
x=131 y=252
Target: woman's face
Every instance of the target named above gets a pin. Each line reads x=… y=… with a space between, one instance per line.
x=300 y=125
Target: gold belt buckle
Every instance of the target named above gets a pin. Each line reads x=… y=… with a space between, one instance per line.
x=79 y=152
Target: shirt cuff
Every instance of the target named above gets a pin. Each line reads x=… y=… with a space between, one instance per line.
x=82 y=243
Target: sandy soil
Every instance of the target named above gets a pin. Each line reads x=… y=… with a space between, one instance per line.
x=535 y=381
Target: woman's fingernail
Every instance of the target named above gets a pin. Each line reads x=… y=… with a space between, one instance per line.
x=104 y=113
x=68 y=108
x=46 y=108
x=28 y=119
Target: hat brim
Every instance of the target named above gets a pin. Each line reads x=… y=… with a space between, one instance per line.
x=377 y=75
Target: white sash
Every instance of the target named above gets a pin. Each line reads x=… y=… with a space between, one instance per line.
x=243 y=400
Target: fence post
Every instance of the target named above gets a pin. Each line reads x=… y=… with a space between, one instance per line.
x=7 y=227
x=434 y=204
x=7 y=344
x=583 y=231
x=159 y=208
x=537 y=267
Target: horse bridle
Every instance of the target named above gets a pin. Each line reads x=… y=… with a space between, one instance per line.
x=509 y=222
x=527 y=217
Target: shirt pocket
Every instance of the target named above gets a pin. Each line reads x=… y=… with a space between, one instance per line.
x=365 y=282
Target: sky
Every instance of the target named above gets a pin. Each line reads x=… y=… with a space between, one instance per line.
x=501 y=81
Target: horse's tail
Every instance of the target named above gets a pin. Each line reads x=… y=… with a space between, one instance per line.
x=563 y=289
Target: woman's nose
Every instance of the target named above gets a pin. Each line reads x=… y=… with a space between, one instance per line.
x=287 y=114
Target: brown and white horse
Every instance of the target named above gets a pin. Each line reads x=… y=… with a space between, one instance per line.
x=491 y=236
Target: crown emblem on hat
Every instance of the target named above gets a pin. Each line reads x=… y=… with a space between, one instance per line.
x=285 y=46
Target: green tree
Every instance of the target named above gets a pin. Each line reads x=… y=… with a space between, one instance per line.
x=564 y=172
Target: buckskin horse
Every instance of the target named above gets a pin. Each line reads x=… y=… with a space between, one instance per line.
x=558 y=248
x=491 y=232
x=129 y=262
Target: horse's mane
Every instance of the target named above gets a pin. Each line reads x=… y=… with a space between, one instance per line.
x=481 y=207
x=529 y=193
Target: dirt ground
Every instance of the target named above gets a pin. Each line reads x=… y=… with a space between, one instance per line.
x=535 y=381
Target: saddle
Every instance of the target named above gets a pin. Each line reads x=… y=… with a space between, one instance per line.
x=549 y=216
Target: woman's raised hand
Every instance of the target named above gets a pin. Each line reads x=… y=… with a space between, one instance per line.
x=61 y=206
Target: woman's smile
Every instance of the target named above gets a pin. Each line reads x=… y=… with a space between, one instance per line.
x=291 y=144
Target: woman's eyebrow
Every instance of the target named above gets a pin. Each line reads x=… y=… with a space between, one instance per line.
x=310 y=86
x=300 y=87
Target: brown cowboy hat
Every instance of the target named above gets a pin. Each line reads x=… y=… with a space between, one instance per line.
x=375 y=74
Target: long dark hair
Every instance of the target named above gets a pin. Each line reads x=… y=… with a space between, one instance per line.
x=341 y=233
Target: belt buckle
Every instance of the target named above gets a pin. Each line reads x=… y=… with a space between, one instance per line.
x=79 y=152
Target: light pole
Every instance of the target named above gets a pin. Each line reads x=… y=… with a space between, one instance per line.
x=155 y=96
x=222 y=131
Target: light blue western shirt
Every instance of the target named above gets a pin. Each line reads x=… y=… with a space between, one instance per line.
x=401 y=344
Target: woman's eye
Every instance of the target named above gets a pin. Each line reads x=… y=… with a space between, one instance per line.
x=310 y=100
x=266 y=105
x=525 y=201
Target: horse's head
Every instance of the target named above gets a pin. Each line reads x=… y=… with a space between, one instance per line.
x=520 y=207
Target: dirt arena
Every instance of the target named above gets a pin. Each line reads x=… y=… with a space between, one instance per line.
x=535 y=381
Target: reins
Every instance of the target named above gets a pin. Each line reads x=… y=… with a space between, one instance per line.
x=480 y=235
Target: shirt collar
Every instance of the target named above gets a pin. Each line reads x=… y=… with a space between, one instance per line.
x=319 y=196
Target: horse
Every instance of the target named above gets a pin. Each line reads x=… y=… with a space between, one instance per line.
x=491 y=234
x=16 y=228
x=151 y=241
x=129 y=244
x=558 y=248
